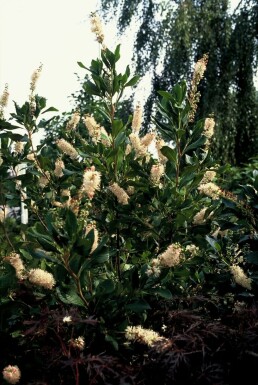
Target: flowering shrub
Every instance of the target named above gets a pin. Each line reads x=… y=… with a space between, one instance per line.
x=113 y=226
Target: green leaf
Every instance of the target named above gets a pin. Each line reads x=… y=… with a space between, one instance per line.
x=164 y=293
x=81 y=65
x=179 y=92
x=41 y=254
x=7 y=126
x=249 y=191
x=197 y=130
x=132 y=81
x=91 y=88
x=256 y=182
x=117 y=53
x=112 y=341
x=188 y=159
x=198 y=143
x=213 y=242
x=116 y=84
x=108 y=58
x=25 y=253
x=77 y=262
x=41 y=103
x=166 y=95
x=106 y=287
x=138 y=306
x=252 y=257
x=96 y=67
x=127 y=71
x=7 y=281
x=121 y=137
x=100 y=257
x=50 y=109
x=71 y=298
x=68 y=172
x=117 y=126
x=71 y=224
x=180 y=133
x=189 y=174
x=170 y=153
x=10 y=135
x=228 y=203
x=47 y=244
x=84 y=245
x=39 y=232
x=168 y=131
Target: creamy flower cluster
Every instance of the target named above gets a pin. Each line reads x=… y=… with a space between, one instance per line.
x=200 y=218
x=59 y=166
x=67 y=319
x=145 y=336
x=128 y=149
x=96 y=132
x=192 y=249
x=208 y=132
x=194 y=95
x=200 y=68
x=208 y=176
x=18 y=147
x=210 y=189
x=130 y=190
x=239 y=306
x=93 y=128
x=57 y=204
x=89 y=227
x=140 y=145
x=11 y=374
x=78 y=343
x=157 y=171
x=44 y=179
x=34 y=79
x=67 y=148
x=154 y=268
x=171 y=256
x=2 y=214
x=4 y=97
x=240 y=277
x=73 y=122
x=4 y=101
x=31 y=156
x=139 y=148
x=159 y=144
x=74 y=204
x=137 y=119
x=67 y=202
x=91 y=182
x=42 y=278
x=120 y=193
x=37 y=276
x=15 y=260
x=147 y=139
x=96 y=28
x=209 y=126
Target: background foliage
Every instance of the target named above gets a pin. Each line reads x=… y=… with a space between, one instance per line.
x=173 y=34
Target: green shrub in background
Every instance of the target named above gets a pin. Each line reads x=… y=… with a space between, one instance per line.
x=117 y=221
